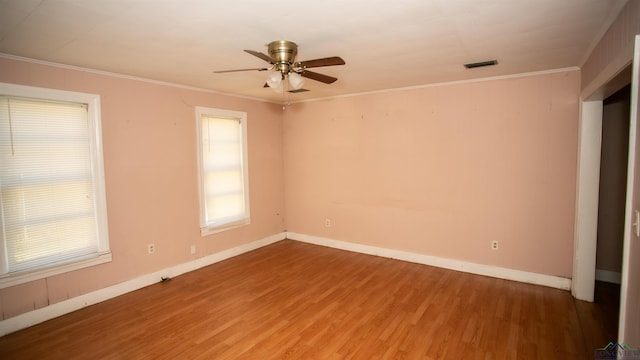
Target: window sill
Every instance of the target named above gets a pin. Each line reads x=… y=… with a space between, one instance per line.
x=209 y=230
x=24 y=277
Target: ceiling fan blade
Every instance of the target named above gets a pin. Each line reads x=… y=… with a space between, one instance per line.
x=318 y=77
x=330 y=61
x=262 y=56
x=237 y=70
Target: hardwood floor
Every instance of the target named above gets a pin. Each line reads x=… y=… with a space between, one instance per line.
x=599 y=320
x=292 y=300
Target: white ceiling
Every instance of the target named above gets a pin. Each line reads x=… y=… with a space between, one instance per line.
x=386 y=43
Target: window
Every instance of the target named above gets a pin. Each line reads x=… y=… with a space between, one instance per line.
x=222 y=150
x=52 y=199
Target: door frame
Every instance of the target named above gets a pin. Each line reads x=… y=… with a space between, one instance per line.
x=585 y=235
x=588 y=187
x=588 y=181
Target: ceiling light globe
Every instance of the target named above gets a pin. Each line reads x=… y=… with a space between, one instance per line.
x=274 y=80
x=296 y=80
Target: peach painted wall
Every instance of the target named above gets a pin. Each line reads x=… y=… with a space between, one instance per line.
x=149 y=138
x=442 y=170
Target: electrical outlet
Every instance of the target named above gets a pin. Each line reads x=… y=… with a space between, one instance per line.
x=327 y=222
x=494 y=245
x=151 y=248
x=193 y=249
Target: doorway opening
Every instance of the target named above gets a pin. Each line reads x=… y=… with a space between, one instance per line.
x=611 y=208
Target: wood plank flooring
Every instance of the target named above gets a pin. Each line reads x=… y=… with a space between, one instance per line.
x=292 y=300
x=599 y=320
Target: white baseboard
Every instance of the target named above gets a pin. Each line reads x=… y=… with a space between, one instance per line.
x=64 y=307
x=608 y=276
x=458 y=265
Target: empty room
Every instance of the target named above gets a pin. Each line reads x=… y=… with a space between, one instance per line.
x=420 y=179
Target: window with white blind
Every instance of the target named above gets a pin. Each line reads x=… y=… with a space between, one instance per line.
x=52 y=199
x=222 y=159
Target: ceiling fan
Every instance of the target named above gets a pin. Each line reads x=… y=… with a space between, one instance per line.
x=283 y=64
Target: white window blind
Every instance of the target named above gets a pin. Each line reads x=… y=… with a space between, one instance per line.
x=48 y=202
x=224 y=196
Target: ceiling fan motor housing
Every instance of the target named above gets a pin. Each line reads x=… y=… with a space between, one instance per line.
x=284 y=53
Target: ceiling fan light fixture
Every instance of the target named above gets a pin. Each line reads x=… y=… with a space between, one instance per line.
x=296 y=81
x=274 y=80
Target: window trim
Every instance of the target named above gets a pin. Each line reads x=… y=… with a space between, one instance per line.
x=207 y=229
x=95 y=132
